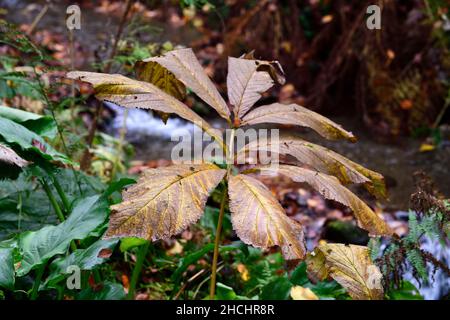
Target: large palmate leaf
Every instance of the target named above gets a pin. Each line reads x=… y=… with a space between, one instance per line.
x=44 y=126
x=6 y=268
x=14 y=133
x=164 y=201
x=185 y=66
x=9 y=156
x=260 y=220
x=350 y=266
x=38 y=246
x=293 y=114
x=156 y=74
x=321 y=159
x=85 y=259
x=131 y=93
x=247 y=79
x=331 y=188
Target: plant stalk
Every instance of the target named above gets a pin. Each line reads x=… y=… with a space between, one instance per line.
x=56 y=207
x=37 y=282
x=230 y=162
x=53 y=201
x=212 y=288
x=142 y=253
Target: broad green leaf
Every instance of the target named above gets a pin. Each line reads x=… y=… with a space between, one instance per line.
x=131 y=93
x=164 y=202
x=156 y=74
x=38 y=247
x=9 y=156
x=224 y=292
x=260 y=220
x=85 y=259
x=14 y=133
x=107 y=291
x=247 y=79
x=293 y=114
x=331 y=188
x=277 y=289
x=406 y=291
x=130 y=243
x=321 y=159
x=185 y=66
x=351 y=267
x=210 y=219
x=6 y=268
x=299 y=276
x=44 y=126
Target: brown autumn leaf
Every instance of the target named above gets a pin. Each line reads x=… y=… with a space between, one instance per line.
x=185 y=66
x=8 y=155
x=260 y=220
x=131 y=93
x=164 y=202
x=331 y=188
x=293 y=114
x=247 y=79
x=156 y=74
x=321 y=159
x=105 y=253
x=351 y=267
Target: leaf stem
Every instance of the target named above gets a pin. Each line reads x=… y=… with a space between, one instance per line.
x=56 y=207
x=53 y=201
x=137 y=269
x=212 y=288
x=230 y=161
x=37 y=282
x=61 y=193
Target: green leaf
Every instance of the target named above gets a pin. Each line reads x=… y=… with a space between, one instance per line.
x=299 y=276
x=44 y=126
x=130 y=243
x=406 y=291
x=211 y=217
x=39 y=246
x=15 y=133
x=224 y=292
x=109 y=291
x=277 y=289
x=85 y=259
x=6 y=268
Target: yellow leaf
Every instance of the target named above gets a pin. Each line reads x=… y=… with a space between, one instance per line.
x=185 y=66
x=242 y=269
x=294 y=114
x=425 y=147
x=164 y=202
x=321 y=159
x=260 y=220
x=300 y=293
x=331 y=188
x=131 y=93
x=351 y=267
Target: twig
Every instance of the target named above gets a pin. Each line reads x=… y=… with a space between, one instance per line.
x=37 y=19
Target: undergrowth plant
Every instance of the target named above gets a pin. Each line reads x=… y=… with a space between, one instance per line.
x=165 y=201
